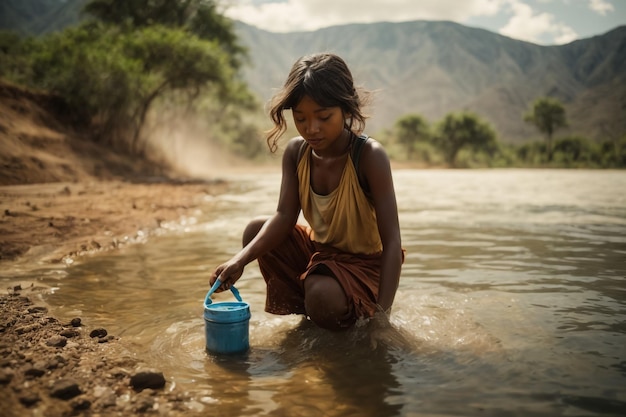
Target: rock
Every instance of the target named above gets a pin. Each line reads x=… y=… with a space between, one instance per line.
x=81 y=404
x=6 y=375
x=30 y=399
x=119 y=373
x=106 y=339
x=98 y=333
x=34 y=310
x=69 y=333
x=27 y=328
x=107 y=400
x=147 y=379
x=35 y=370
x=76 y=322
x=56 y=362
x=65 y=389
x=144 y=404
x=57 y=341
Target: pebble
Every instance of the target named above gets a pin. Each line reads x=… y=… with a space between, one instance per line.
x=144 y=404
x=81 y=404
x=6 y=375
x=35 y=371
x=57 y=341
x=65 y=389
x=30 y=399
x=147 y=379
x=76 y=322
x=98 y=333
x=34 y=310
x=69 y=333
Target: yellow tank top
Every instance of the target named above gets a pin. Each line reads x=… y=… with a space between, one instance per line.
x=345 y=218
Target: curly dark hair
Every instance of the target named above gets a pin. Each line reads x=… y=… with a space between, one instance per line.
x=326 y=78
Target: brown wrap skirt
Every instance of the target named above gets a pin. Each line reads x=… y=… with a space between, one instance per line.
x=285 y=268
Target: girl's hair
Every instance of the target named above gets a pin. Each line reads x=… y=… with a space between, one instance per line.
x=328 y=81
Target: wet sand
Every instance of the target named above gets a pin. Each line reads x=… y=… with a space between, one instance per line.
x=54 y=368
x=62 y=195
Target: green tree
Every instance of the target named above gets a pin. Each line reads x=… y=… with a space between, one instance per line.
x=457 y=131
x=111 y=77
x=14 y=56
x=200 y=17
x=112 y=69
x=548 y=115
x=409 y=130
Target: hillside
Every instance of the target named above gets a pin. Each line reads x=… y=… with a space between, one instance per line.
x=37 y=17
x=39 y=145
x=433 y=68
x=426 y=67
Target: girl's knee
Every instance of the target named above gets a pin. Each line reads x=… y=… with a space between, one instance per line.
x=325 y=302
x=252 y=229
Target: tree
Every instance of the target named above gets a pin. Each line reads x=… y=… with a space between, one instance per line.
x=113 y=68
x=457 y=131
x=200 y=17
x=111 y=77
x=548 y=115
x=411 y=129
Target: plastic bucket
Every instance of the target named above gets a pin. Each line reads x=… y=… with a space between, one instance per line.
x=226 y=324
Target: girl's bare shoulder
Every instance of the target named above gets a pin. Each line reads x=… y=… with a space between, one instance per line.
x=293 y=149
x=373 y=152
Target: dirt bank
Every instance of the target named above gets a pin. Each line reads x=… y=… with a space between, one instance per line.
x=55 y=221
x=52 y=368
x=61 y=196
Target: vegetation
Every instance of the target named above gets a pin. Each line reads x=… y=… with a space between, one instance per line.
x=129 y=61
x=464 y=130
x=464 y=140
x=410 y=131
x=112 y=69
x=548 y=115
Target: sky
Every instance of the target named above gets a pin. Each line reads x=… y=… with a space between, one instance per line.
x=543 y=22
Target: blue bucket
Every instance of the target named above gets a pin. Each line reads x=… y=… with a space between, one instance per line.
x=226 y=324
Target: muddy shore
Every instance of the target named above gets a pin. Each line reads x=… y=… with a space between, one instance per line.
x=49 y=367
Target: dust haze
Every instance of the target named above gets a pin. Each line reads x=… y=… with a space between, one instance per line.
x=190 y=144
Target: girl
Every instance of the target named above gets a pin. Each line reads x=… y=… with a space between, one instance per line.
x=346 y=263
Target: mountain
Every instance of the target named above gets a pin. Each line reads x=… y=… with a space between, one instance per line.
x=426 y=67
x=38 y=17
x=433 y=68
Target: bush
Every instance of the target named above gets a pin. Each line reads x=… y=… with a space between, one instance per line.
x=576 y=151
x=110 y=77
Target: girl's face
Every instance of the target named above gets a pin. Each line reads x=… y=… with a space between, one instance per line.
x=319 y=126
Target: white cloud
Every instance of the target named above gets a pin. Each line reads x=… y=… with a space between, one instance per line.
x=523 y=22
x=528 y=25
x=601 y=7
x=299 y=15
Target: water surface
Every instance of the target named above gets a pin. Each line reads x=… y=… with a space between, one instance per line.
x=512 y=301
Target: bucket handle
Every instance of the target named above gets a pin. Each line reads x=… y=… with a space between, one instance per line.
x=216 y=285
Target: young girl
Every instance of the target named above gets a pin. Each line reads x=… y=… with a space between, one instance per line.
x=346 y=264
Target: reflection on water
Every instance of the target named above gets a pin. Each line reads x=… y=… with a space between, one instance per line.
x=512 y=301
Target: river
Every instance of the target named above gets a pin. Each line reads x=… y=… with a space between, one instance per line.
x=512 y=301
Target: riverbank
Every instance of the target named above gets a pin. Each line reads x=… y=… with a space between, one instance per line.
x=54 y=222
x=63 y=196
x=55 y=368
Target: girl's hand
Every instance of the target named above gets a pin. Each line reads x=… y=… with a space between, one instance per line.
x=228 y=273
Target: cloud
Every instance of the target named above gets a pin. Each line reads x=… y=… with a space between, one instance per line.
x=524 y=22
x=528 y=25
x=601 y=7
x=304 y=15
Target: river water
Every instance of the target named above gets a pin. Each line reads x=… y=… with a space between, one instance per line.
x=512 y=301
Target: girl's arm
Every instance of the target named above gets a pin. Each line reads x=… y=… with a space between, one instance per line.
x=275 y=229
x=377 y=172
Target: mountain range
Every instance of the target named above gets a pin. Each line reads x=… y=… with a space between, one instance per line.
x=429 y=68
x=433 y=68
